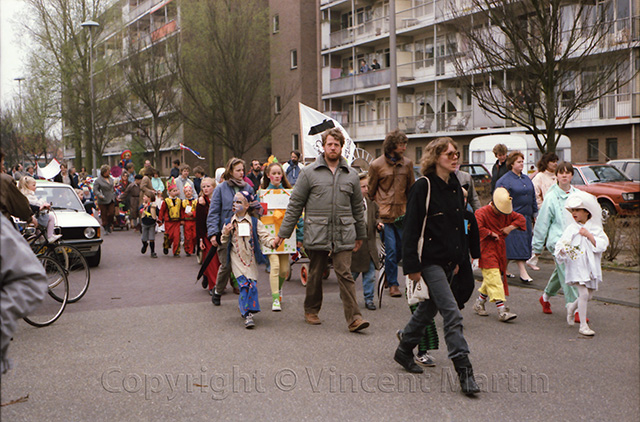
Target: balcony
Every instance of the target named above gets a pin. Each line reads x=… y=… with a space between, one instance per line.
x=164 y=30
x=360 y=81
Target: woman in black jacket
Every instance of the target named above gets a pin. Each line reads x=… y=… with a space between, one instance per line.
x=442 y=251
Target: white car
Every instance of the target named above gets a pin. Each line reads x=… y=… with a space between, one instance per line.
x=630 y=167
x=77 y=228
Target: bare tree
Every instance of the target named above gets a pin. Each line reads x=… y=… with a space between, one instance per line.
x=538 y=63
x=62 y=48
x=223 y=70
x=151 y=108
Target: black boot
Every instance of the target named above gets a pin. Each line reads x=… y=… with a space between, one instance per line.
x=465 y=374
x=144 y=247
x=215 y=299
x=406 y=360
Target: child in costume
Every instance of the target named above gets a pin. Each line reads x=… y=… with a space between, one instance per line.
x=243 y=234
x=170 y=216
x=495 y=222
x=366 y=261
x=188 y=215
x=580 y=248
x=148 y=216
x=274 y=180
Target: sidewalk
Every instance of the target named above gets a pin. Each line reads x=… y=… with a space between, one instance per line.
x=619 y=287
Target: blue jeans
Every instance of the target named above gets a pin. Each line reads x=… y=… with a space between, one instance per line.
x=367 y=281
x=441 y=300
x=393 y=252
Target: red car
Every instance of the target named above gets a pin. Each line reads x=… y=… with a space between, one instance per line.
x=616 y=193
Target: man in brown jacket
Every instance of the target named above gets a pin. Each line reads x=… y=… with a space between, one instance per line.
x=390 y=178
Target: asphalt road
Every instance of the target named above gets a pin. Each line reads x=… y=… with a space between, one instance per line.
x=145 y=343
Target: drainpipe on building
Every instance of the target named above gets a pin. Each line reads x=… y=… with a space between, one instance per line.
x=393 y=97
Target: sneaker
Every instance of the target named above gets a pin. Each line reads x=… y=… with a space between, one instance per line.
x=586 y=331
x=479 y=308
x=370 y=305
x=248 y=321
x=154 y=255
x=215 y=299
x=506 y=316
x=276 y=306
x=546 y=306
x=54 y=238
x=165 y=251
x=144 y=248
x=425 y=360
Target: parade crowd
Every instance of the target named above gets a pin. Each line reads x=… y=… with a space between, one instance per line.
x=264 y=213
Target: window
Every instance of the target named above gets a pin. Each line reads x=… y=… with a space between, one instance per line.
x=295 y=142
x=478 y=157
x=465 y=153
x=378 y=152
x=612 y=148
x=276 y=24
x=294 y=59
x=418 y=154
x=278 y=105
x=592 y=149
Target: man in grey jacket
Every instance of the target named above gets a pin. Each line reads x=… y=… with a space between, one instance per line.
x=329 y=192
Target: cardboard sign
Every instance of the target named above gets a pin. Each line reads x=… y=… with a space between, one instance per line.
x=276 y=201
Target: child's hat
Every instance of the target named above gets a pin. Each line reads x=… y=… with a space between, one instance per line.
x=584 y=200
x=171 y=184
x=502 y=200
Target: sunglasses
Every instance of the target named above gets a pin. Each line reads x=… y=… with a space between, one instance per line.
x=452 y=154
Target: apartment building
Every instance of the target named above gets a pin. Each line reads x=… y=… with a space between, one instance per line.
x=294 y=69
x=354 y=36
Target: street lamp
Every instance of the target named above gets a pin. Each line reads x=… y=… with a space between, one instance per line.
x=90 y=25
x=20 y=79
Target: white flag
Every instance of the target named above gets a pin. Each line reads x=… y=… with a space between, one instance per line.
x=312 y=124
x=49 y=171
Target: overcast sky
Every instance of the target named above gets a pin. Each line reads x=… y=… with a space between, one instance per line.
x=10 y=49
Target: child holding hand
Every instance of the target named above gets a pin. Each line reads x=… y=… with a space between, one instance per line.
x=148 y=218
x=580 y=248
x=243 y=234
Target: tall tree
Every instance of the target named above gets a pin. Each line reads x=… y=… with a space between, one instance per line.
x=152 y=84
x=63 y=47
x=538 y=63
x=223 y=70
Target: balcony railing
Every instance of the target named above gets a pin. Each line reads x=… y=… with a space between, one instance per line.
x=164 y=30
x=366 y=30
x=361 y=81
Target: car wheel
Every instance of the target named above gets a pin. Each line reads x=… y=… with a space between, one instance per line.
x=94 y=260
x=608 y=210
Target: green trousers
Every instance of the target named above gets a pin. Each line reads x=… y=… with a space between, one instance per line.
x=556 y=282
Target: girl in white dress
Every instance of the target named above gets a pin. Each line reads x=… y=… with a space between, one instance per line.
x=580 y=248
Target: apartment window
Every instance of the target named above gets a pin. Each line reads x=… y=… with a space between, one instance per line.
x=612 y=148
x=294 y=59
x=278 y=105
x=276 y=24
x=378 y=152
x=592 y=149
x=418 y=154
x=295 y=142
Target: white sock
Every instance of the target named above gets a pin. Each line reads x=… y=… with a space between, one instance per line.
x=545 y=297
x=583 y=298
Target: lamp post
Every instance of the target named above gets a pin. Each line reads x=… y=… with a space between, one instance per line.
x=20 y=79
x=90 y=25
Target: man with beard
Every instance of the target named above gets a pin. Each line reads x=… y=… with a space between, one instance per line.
x=292 y=167
x=255 y=175
x=390 y=178
x=329 y=192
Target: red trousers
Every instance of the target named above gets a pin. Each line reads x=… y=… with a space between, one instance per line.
x=212 y=269
x=172 y=235
x=189 y=236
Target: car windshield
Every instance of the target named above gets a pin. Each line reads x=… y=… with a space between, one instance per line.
x=475 y=170
x=601 y=174
x=60 y=198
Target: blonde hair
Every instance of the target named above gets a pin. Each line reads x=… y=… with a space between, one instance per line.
x=207 y=180
x=23 y=185
x=432 y=151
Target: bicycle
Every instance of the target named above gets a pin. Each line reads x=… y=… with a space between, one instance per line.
x=55 y=301
x=69 y=257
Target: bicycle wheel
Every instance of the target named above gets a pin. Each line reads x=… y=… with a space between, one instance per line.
x=51 y=307
x=76 y=268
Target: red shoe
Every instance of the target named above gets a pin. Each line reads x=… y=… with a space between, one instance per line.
x=546 y=306
x=576 y=318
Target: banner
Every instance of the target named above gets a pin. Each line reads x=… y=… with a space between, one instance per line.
x=49 y=171
x=312 y=124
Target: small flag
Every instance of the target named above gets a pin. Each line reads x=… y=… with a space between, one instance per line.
x=196 y=153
